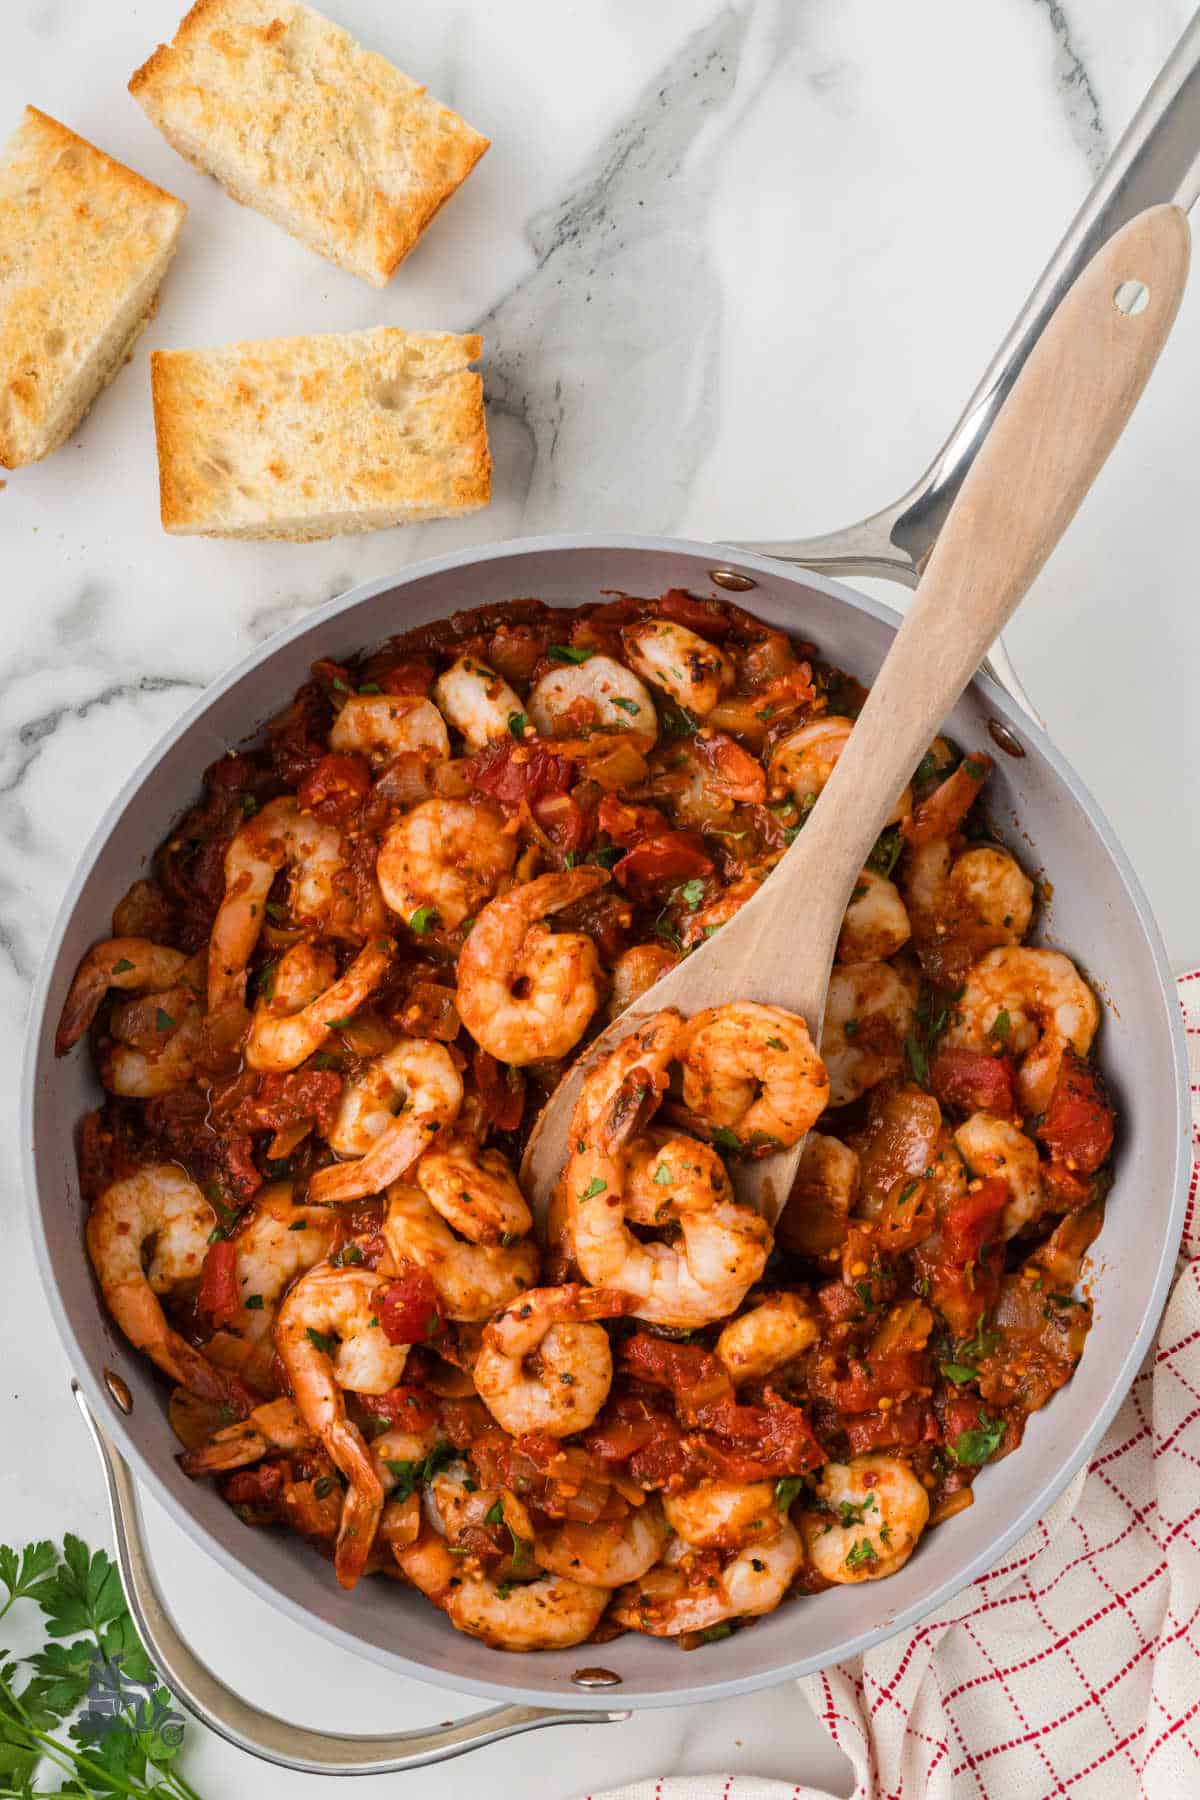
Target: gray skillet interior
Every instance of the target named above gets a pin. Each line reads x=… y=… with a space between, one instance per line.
x=1098 y=914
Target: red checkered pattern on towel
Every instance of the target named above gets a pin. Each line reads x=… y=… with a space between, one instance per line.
x=1073 y=1668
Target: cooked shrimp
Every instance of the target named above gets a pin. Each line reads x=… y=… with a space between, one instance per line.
x=635 y=972
x=276 y=1425
x=875 y=1510
x=388 y=1116
x=608 y=1553
x=574 y=1362
x=669 y=1174
x=551 y=1613
x=462 y=1511
x=478 y=702
x=823 y=1195
x=992 y=1146
x=802 y=762
x=961 y=906
x=402 y=1444
x=754 y=1071
x=387 y=725
x=329 y=1338
x=725 y=1515
x=281 y=1037
x=472 y=1280
x=597 y=695
x=722 y=1247
x=147 y=1234
x=132 y=964
x=155 y=1038
x=475 y=1190
x=868 y=1015
x=1033 y=1003
x=682 y=1594
x=774 y=1332
x=281 y=834
x=525 y=994
x=876 y=924
x=447 y=856
x=693 y=671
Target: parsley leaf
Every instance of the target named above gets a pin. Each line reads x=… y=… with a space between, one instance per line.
x=516 y=724
x=123 y=967
x=569 y=653
x=413 y=1475
x=1000 y=1027
x=958 y=1372
x=979 y=1445
x=786 y=1491
x=423 y=920
x=918 y=1062
x=860 y=1553
x=163 y=1020
x=629 y=706
x=691 y=893
x=595 y=1186
x=321 y=1341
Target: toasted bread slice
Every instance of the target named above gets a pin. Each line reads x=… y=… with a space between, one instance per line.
x=308 y=437
x=297 y=120
x=84 y=244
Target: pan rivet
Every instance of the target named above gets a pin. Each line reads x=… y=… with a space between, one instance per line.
x=1008 y=740
x=733 y=581
x=118 y=1390
x=596 y=1678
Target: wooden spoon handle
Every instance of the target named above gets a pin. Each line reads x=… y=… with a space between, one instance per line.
x=1066 y=411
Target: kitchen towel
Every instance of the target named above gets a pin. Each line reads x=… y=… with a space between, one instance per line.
x=1073 y=1667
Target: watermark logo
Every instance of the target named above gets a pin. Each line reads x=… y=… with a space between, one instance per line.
x=114 y=1701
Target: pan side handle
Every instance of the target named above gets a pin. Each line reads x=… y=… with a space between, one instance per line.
x=260 y=1733
x=1157 y=161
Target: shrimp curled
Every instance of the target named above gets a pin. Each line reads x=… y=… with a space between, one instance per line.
x=524 y=994
x=753 y=1071
x=574 y=1360
x=418 y=1077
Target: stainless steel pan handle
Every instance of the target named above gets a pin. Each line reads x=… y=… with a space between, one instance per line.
x=1157 y=160
x=261 y=1733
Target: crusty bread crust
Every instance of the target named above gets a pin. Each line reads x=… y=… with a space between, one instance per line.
x=310 y=437
x=295 y=119
x=86 y=242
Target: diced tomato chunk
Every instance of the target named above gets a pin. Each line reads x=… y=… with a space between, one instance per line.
x=501 y=1090
x=258 y=1487
x=336 y=788
x=564 y=821
x=663 y=862
x=707 y=618
x=1066 y=1187
x=973 y=1081
x=1079 y=1121
x=218 y=1283
x=512 y=773
x=408 y=1309
x=973 y=1219
x=412 y=676
x=627 y=824
x=912 y=1422
x=413 y=1407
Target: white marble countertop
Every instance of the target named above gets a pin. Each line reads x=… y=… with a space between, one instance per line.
x=736 y=267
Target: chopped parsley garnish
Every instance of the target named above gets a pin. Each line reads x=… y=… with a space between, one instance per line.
x=860 y=1553
x=254 y=1303
x=338 y=1024
x=494 y=1514
x=298 y=1225
x=423 y=920
x=324 y=1485
x=370 y=687
x=1000 y=1027
x=595 y=1186
x=714 y=1633
x=569 y=653
x=958 y=1372
x=628 y=706
x=662 y=1175
x=774 y=1043
x=123 y=967
x=163 y=1020
x=691 y=893
x=413 y=1475
x=850 y=1512
x=319 y=1341
x=886 y=854
x=517 y=723
x=918 y=1062
x=975 y=769
x=978 y=1445
x=275 y=910
x=727 y=1139
x=787 y=1490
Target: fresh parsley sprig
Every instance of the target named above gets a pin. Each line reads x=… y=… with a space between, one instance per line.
x=90 y=1710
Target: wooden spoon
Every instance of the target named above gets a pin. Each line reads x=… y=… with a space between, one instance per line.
x=1065 y=412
